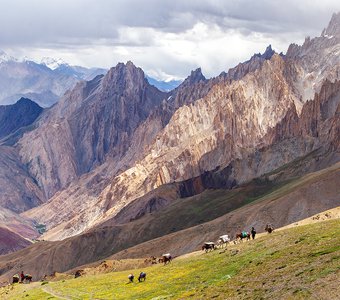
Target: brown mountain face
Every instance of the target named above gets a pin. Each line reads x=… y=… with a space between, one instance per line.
x=92 y=122
x=75 y=200
x=11 y=241
x=251 y=122
x=16 y=232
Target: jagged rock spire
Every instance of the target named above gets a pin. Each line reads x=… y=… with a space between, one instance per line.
x=194 y=77
x=333 y=28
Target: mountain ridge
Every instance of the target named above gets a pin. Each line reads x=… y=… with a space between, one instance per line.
x=209 y=124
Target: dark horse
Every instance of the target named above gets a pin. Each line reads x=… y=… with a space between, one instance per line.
x=142 y=276
x=166 y=258
x=208 y=246
x=269 y=228
x=243 y=235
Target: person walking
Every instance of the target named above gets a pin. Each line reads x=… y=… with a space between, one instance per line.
x=22 y=276
x=253 y=232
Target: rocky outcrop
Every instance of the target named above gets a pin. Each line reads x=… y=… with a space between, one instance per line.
x=12 y=117
x=19 y=191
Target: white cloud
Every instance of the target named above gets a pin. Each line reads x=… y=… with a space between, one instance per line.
x=165 y=38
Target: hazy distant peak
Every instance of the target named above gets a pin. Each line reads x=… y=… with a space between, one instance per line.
x=52 y=63
x=166 y=85
x=4 y=57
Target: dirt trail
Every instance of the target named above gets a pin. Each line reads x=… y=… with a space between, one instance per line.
x=323 y=216
x=49 y=291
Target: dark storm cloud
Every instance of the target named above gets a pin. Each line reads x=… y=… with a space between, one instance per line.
x=75 y=22
x=166 y=37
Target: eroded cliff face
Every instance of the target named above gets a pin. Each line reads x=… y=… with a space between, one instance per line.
x=316 y=60
x=19 y=191
x=248 y=124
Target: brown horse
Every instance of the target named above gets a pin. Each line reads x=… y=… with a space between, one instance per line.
x=166 y=258
x=208 y=246
x=151 y=259
x=242 y=236
x=28 y=278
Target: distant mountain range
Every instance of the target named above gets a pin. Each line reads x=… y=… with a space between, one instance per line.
x=37 y=81
x=46 y=81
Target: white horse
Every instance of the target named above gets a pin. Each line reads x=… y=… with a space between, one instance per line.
x=223 y=240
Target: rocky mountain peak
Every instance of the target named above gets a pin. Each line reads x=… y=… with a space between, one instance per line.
x=333 y=28
x=250 y=65
x=267 y=54
x=124 y=75
x=195 y=77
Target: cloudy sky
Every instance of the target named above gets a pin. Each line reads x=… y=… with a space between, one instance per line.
x=167 y=38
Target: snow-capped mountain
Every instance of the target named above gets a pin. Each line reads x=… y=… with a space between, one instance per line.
x=52 y=63
x=44 y=82
x=4 y=57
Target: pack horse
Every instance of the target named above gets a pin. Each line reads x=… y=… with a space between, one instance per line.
x=223 y=240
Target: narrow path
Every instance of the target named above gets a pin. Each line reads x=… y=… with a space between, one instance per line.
x=48 y=291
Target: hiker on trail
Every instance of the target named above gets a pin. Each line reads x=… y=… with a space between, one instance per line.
x=253 y=232
x=22 y=276
x=131 y=277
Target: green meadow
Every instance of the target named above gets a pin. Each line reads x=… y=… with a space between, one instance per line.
x=297 y=263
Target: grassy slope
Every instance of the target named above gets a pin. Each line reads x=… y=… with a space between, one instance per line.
x=296 y=263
